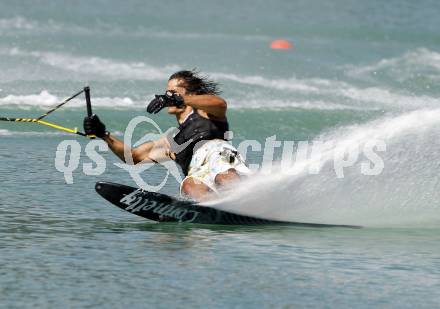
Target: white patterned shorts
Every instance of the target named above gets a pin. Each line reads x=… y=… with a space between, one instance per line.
x=215 y=157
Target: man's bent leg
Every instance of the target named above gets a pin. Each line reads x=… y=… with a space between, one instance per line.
x=196 y=189
x=227 y=178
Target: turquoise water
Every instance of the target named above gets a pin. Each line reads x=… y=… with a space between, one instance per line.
x=358 y=71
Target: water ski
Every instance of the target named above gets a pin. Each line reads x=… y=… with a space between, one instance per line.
x=163 y=208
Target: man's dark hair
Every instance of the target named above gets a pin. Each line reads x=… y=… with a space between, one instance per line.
x=196 y=84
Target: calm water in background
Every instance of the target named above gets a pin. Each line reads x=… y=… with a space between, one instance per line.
x=366 y=69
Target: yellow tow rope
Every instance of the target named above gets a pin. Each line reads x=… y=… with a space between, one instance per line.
x=54 y=125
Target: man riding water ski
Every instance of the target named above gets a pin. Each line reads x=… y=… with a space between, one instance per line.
x=200 y=148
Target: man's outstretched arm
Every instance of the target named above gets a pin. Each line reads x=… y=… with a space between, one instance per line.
x=155 y=151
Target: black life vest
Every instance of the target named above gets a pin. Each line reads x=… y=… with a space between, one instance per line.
x=195 y=128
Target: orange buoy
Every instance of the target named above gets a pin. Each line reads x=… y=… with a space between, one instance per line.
x=281 y=44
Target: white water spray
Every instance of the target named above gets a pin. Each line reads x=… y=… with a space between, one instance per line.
x=406 y=193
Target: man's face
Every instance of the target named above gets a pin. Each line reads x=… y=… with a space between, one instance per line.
x=173 y=85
